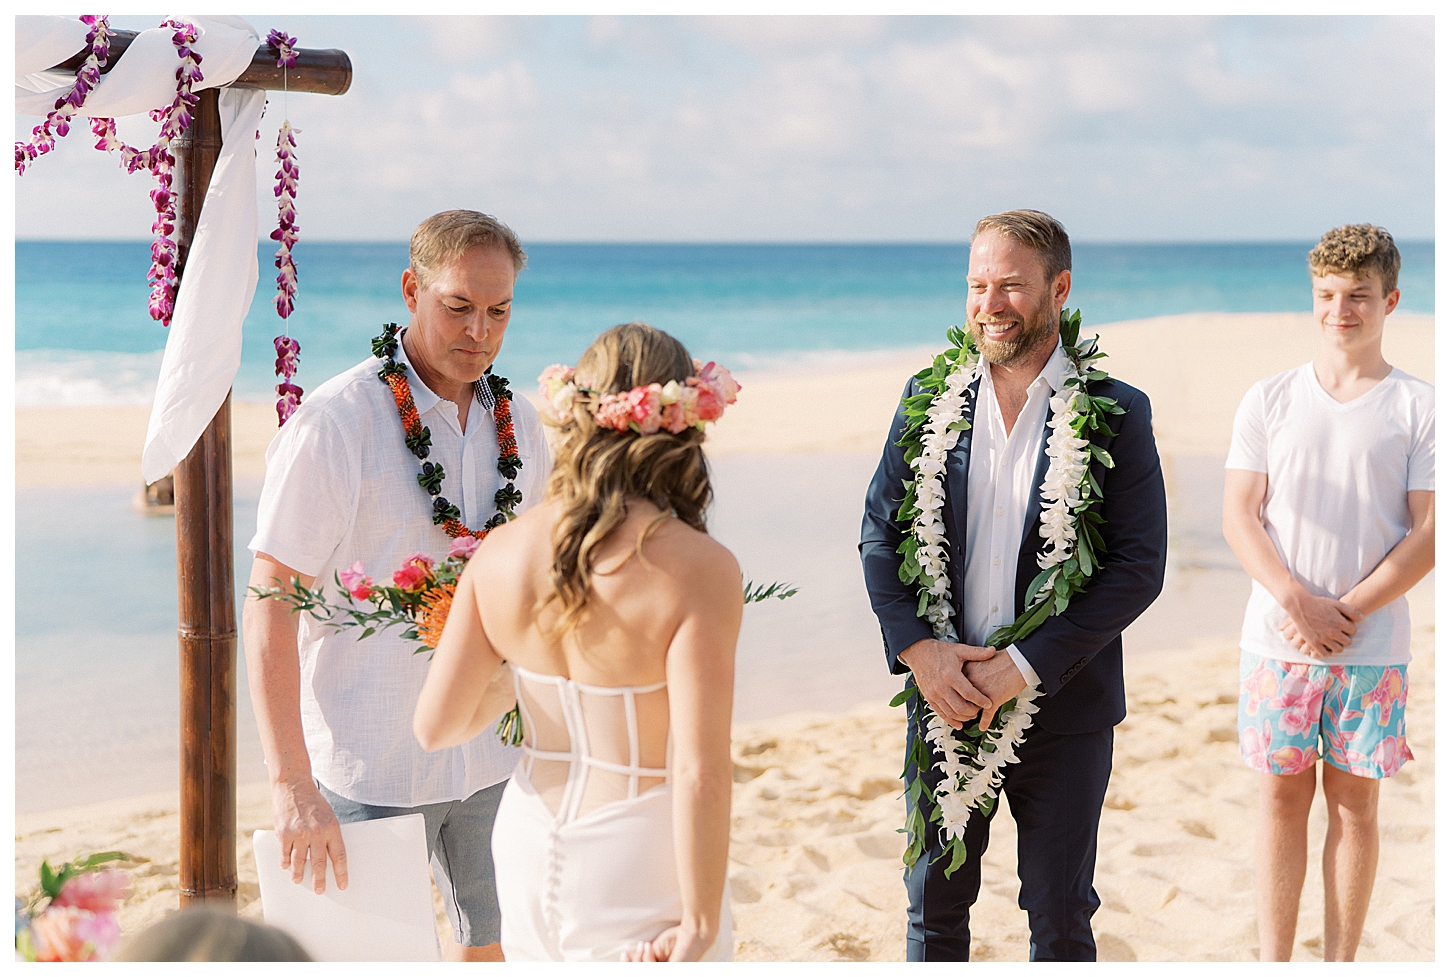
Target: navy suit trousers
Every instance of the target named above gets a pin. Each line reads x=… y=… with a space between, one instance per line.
x=1056 y=795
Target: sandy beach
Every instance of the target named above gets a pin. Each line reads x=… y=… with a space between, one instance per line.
x=815 y=857
x=1194 y=368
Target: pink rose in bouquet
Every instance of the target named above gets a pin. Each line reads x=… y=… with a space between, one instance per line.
x=356 y=582
x=415 y=572
x=464 y=546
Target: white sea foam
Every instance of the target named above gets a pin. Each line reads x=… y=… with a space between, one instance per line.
x=70 y=378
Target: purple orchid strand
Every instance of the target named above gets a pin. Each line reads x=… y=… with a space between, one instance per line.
x=174 y=119
x=286 y=234
x=286 y=56
x=287 y=231
x=288 y=393
x=88 y=76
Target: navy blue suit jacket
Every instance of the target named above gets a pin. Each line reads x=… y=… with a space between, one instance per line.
x=1078 y=655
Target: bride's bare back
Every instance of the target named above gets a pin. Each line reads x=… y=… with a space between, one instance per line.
x=601 y=691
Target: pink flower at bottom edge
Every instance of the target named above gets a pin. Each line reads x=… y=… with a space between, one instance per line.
x=67 y=933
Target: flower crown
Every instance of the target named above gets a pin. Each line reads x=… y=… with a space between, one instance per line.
x=673 y=406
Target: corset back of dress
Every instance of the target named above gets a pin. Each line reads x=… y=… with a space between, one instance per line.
x=586 y=746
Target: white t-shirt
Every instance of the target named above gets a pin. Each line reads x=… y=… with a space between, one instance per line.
x=1338 y=474
x=342 y=486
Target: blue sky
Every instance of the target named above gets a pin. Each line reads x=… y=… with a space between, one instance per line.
x=833 y=129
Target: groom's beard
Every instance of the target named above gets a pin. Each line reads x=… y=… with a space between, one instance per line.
x=1005 y=352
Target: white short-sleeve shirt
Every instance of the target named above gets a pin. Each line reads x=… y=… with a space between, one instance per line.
x=341 y=486
x=1338 y=474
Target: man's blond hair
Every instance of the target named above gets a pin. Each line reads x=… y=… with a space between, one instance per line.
x=1358 y=250
x=1040 y=232
x=444 y=238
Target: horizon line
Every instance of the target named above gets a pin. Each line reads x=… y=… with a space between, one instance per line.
x=742 y=243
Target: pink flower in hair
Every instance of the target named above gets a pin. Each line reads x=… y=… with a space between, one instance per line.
x=613 y=412
x=672 y=418
x=709 y=405
x=644 y=407
x=718 y=379
x=558 y=374
x=689 y=403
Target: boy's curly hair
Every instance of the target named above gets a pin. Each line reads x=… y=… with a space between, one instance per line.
x=1358 y=250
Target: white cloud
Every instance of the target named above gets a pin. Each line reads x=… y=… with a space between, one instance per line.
x=831 y=128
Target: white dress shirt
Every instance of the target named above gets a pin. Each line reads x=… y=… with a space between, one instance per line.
x=341 y=486
x=1000 y=470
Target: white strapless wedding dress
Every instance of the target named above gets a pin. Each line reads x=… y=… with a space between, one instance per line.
x=583 y=857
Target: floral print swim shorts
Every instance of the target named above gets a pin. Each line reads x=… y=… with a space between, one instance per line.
x=1358 y=712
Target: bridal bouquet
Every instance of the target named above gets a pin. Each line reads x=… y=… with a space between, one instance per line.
x=72 y=915
x=419 y=599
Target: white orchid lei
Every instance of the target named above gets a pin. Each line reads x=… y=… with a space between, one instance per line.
x=973 y=760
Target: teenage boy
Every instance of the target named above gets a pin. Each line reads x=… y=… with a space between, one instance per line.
x=1329 y=504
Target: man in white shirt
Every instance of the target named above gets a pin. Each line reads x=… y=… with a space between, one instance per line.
x=1018 y=277
x=1329 y=503
x=345 y=484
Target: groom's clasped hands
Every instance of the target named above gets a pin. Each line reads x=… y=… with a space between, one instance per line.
x=960 y=681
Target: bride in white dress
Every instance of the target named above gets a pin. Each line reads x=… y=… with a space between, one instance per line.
x=617 y=615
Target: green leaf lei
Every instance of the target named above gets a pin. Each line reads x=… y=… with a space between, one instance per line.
x=1049 y=593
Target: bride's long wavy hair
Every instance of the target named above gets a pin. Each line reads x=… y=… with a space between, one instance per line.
x=596 y=469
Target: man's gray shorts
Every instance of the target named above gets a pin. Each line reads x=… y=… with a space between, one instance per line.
x=460 y=846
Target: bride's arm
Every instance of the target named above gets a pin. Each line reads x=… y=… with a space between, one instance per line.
x=700 y=669
x=466 y=689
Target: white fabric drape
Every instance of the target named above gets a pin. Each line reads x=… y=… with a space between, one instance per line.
x=203 y=348
x=205 y=345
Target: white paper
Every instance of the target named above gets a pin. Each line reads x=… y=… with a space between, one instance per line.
x=386 y=911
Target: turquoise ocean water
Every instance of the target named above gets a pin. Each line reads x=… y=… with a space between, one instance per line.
x=83 y=336
x=95 y=660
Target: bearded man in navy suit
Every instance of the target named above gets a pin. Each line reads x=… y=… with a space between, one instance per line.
x=1019 y=275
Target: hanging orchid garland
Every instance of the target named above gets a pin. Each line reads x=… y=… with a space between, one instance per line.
x=174 y=119
x=288 y=393
x=88 y=76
